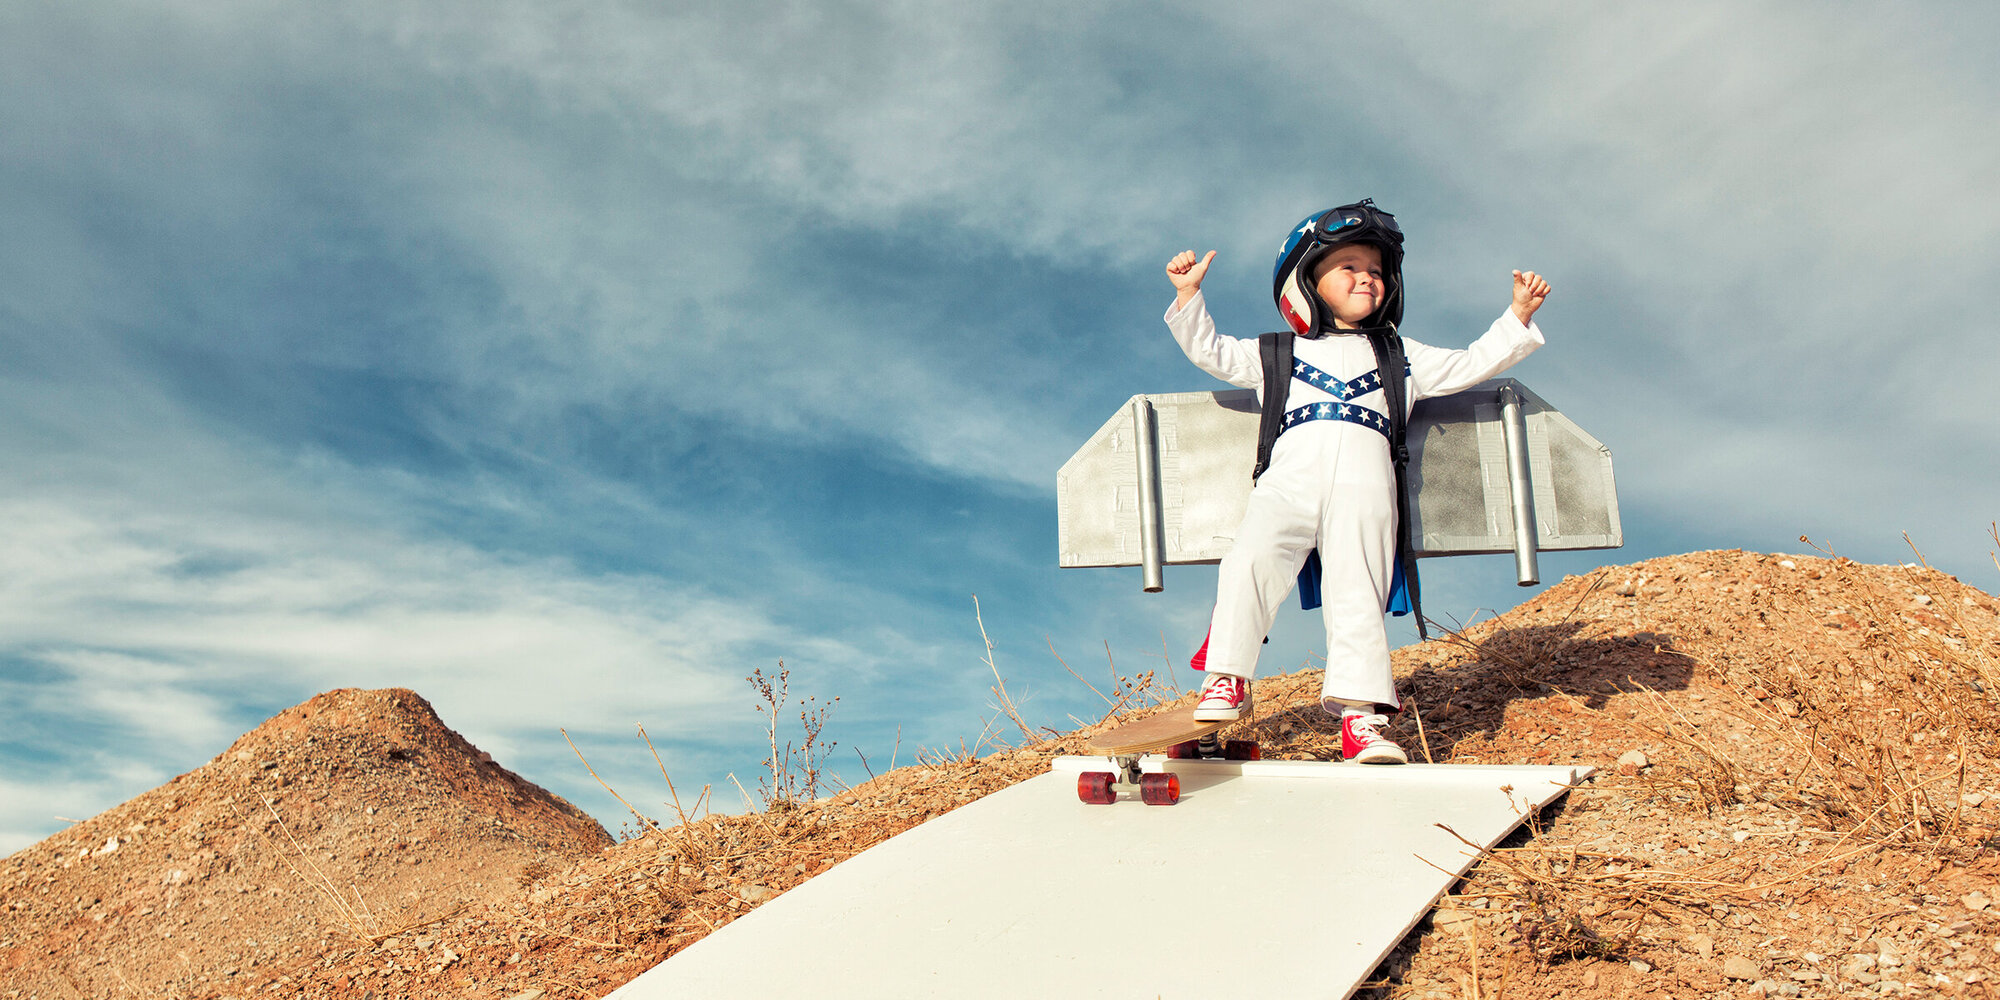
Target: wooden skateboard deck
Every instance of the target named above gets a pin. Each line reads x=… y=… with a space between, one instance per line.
x=1155 y=733
x=1177 y=733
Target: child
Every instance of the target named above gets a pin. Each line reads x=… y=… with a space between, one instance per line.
x=1330 y=483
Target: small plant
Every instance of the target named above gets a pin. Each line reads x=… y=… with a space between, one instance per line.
x=793 y=768
x=1006 y=701
x=1140 y=690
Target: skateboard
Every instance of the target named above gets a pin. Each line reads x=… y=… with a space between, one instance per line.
x=1175 y=732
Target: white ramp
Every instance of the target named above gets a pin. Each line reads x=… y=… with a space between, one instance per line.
x=1268 y=879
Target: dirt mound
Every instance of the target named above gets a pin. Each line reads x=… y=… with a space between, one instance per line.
x=1797 y=795
x=346 y=817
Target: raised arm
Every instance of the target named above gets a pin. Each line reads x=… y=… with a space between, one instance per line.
x=1230 y=359
x=1440 y=372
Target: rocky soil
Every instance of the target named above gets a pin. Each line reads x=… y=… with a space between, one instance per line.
x=1797 y=795
x=353 y=812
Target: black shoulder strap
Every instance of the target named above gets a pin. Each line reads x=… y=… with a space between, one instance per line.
x=1276 y=351
x=1392 y=364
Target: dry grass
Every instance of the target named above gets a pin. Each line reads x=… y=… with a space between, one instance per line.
x=355 y=917
x=1702 y=767
x=1877 y=743
x=792 y=769
x=1526 y=656
x=1129 y=692
x=1870 y=738
x=1004 y=702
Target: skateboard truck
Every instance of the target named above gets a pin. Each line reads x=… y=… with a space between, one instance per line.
x=1161 y=788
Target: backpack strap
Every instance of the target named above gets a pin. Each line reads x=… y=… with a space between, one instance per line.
x=1391 y=362
x=1276 y=351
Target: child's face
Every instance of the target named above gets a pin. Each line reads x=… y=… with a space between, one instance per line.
x=1349 y=281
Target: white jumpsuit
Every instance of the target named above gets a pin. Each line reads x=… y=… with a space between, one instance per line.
x=1331 y=486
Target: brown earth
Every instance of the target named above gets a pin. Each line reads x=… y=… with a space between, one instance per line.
x=354 y=812
x=1797 y=795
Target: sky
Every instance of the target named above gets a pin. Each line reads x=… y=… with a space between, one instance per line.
x=568 y=362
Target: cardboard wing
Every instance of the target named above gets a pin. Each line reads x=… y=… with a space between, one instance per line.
x=1493 y=469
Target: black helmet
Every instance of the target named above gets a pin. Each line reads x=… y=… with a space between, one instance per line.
x=1291 y=279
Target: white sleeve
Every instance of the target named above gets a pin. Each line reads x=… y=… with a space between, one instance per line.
x=1231 y=359
x=1435 y=371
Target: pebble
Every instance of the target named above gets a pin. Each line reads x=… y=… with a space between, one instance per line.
x=1738 y=967
x=1975 y=901
x=1635 y=758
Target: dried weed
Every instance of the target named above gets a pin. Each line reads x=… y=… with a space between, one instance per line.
x=792 y=770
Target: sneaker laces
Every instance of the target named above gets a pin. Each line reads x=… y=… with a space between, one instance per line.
x=1224 y=687
x=1366 y=728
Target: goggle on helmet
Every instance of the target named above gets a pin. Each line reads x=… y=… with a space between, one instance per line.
x=1311 y=239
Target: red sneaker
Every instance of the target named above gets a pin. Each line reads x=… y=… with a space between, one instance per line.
x=1362 y=742
x=1225 y=698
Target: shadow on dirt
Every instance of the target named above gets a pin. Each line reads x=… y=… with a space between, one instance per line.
x=1470 y=698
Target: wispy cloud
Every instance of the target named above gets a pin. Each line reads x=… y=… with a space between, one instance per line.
x=480 y=347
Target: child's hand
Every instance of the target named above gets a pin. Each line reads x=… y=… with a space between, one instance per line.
x=1186 y=273
x=1529 y=291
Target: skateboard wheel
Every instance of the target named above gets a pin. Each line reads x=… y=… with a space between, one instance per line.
x=1244 y=750
x=1184 y=751
x=1094 y=787
x=1162 y=789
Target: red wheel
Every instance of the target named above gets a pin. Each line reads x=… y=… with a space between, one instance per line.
x=1162 y=789
x=1184 y=751
x=1094 y=787
x=1243 y=750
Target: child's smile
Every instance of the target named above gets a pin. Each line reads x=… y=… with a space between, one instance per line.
x=1349 y=280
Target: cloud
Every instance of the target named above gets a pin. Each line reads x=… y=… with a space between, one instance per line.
x=165 y=642
x=471 y=344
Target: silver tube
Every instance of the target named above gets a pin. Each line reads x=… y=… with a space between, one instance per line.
x=1515 y=425
x=1152 y=536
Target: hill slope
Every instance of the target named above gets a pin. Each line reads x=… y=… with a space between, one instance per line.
x=354 y=812
x=1798 y=795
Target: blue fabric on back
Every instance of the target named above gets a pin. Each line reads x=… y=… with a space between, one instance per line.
x=1399 y=588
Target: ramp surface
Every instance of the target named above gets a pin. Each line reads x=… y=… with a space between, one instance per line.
x=1270 y=878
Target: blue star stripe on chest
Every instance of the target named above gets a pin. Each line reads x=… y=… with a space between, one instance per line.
x=1352 y=413
x=1359 y=385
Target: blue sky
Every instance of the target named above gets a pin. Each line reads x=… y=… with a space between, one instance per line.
x=565 y=362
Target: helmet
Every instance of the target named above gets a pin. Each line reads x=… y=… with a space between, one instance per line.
x=1292 y=279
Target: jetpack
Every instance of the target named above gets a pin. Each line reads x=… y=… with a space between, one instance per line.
x=1493 y=469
